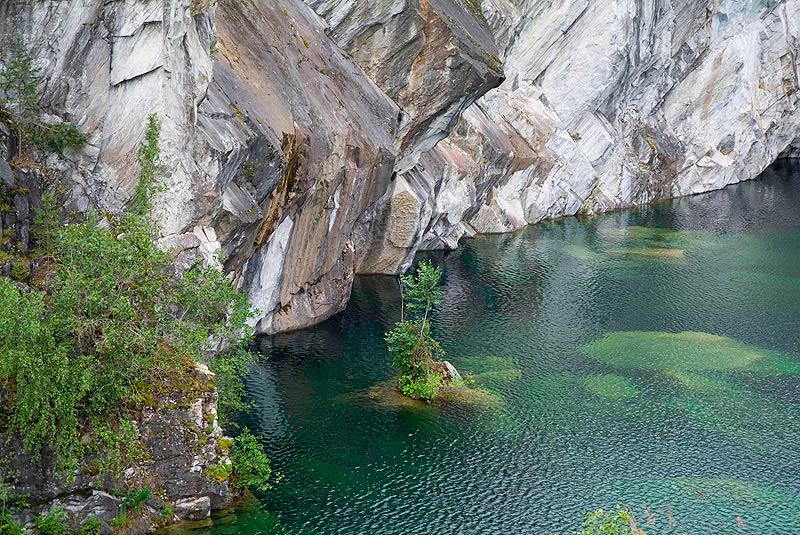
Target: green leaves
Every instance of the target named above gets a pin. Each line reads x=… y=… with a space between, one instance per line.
x=421 y=292
x=425 y=387
x=250 y=463
x=18 y=81
x=52 y=523
x=55 y=137
x=410 y=341
x=37 y=367
x=114 y=324
x=599 y=522
x=9 y=526
x=148 y=158
x=413 y=347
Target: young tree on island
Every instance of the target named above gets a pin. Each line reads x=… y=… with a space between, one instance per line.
x=415 y=350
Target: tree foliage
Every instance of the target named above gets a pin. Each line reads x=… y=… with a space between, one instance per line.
x=148 y=159
x=421 y=290
x=18 y=81
x=599 y=522
x=415 y=351
x=9 y=526
x=114 y=323
x=250 y=463
x=52 y=523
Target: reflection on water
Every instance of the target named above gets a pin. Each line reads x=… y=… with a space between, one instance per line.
x=648 y=357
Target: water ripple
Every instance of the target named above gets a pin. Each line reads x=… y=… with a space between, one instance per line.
x=647 y=357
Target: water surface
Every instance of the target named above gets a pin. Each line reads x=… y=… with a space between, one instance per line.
x=648 y=357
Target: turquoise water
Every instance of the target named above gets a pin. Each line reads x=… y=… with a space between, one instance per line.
x=648 y=357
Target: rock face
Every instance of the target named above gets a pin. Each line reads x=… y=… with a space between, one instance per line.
x=180 y=440
x=310 y=140
x=275 y=143
x=793 y=151
x=307 y=144
x=434 y=58
x=612 y=104
x=310 y=146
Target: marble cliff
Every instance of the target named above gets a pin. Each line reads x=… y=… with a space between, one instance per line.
x=313 y=141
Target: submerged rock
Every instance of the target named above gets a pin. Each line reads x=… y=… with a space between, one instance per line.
x=387 y=396
x=686 y=352
x=611 y=386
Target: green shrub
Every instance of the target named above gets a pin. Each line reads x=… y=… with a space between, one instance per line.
x=52 y=523
x=114 y=324
x=9 y=526
x=121 y=520
x=250 y=463
x=10 y=502
x=413 y=348
x=167 y=513
x=135 y=497
x=19 y=270
x=220 y=472
x=91 y=526
x=19 y=82
x=600 y=522
x=147 y=157
x=410 y=341
x=425 y=387
x=55 y=137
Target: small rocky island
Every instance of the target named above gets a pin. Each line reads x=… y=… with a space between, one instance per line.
x=417 y=355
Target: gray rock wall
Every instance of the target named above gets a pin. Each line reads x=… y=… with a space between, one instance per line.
x=434 y=58
x=793 y=151
x=612 y=104
x=305 y=142
x=310 y=148
x=278 y=150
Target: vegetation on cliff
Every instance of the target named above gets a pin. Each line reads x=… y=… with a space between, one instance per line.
x=20 y=108
x=104 y=324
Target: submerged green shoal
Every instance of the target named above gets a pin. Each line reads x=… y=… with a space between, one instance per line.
x=648 y=357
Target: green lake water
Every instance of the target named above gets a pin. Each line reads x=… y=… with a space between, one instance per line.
x=649 y=357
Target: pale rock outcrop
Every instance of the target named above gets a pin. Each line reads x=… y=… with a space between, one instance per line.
x=434 y=58
x=612 y=104
x=107 y=65
x=291 y=134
